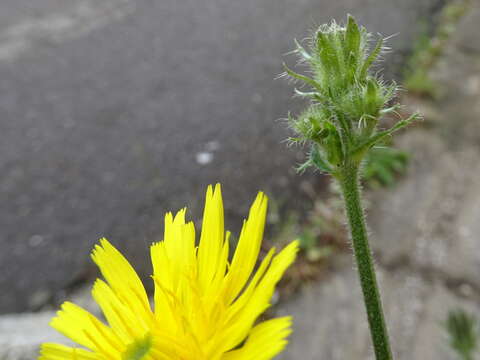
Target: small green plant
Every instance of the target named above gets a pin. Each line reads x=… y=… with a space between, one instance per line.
x=319 y=234
x=462 y=329
x=341 y=125
x=427 y=48
x=416 y=75
x=310 y=245
x=382 y=164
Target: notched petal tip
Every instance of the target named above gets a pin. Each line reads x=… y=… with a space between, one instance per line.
x=103 y=246
x=260 y=203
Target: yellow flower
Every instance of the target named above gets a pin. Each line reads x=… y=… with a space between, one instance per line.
x=205 y=306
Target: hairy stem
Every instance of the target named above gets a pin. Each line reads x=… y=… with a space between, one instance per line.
x=348 y=178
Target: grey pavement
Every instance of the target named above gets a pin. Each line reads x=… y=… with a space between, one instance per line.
x=115 y=111
x=330 y=321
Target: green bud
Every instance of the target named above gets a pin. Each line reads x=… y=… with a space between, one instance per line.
x=347 y=99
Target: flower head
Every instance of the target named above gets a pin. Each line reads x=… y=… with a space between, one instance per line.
x=347 y=99
x=206 y=306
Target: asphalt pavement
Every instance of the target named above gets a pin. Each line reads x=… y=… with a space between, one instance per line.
x=115 y=111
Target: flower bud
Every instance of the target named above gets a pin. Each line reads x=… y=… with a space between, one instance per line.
x=347 y=99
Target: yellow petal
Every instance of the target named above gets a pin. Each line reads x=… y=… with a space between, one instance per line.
x=122 y=278
x=256 y=299
x=248 y=248
x=212 y=238
x=123 y=319
x=266 y=340
x=49 y=351
x=174 y=266
x=85 y=329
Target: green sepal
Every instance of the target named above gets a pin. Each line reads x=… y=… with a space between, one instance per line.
x=352 y=38
x=352 y=46
x=327 y=52
x=391 y=109
x=333 y=144
x=303 y=167
x=371 y=58
x=310 y=94
x=371 y=98
x=369 y=123
x=301 y=50
x=303 y=78
x=359 y=151
x=318 y=132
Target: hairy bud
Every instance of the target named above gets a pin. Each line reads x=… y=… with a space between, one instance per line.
x=347 y=100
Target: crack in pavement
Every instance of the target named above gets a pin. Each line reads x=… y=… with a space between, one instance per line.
x=458 y=286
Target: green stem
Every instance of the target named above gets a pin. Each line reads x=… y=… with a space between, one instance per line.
x=348 y=178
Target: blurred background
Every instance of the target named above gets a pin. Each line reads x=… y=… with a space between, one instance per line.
x=113 y=112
